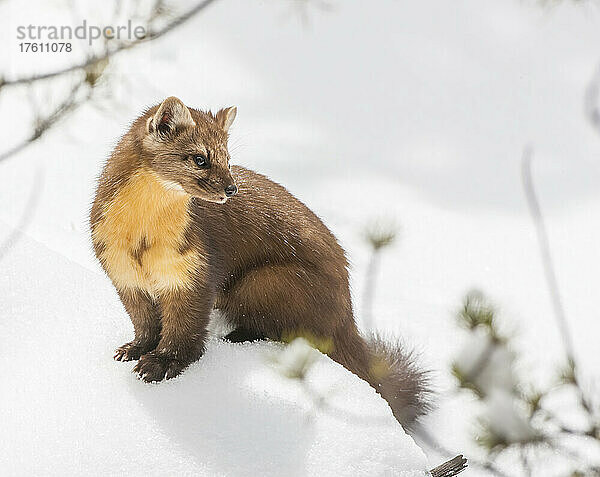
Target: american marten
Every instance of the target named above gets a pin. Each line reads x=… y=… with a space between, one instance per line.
x=180 y=231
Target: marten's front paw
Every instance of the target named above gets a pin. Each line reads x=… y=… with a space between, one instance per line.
x=130 y=351
x=154 y=367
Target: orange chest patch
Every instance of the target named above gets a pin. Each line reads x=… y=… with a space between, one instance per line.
x=142 y=231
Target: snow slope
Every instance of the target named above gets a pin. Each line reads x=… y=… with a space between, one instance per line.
x=69 y=409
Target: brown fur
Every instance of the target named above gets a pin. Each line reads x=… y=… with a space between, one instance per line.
x=175 y=248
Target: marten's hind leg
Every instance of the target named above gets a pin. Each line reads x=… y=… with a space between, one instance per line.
x=241 y=335
x=281 y=301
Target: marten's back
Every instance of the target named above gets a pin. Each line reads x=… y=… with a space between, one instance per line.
x=265 y=224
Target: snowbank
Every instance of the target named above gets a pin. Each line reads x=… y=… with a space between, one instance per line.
x=69 y=409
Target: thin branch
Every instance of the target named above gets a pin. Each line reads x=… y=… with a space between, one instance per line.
x=451 y=468
x=369 y=291
x=153 y=35
x=591 y=106
x=378 y=237
x=544 y=244
x=45 y=124
x=93 y=68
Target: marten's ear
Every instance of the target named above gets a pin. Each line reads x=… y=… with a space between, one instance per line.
x=225 y=117
x=172 y=115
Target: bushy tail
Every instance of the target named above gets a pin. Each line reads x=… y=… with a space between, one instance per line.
x=401 y=382
x=391 y=370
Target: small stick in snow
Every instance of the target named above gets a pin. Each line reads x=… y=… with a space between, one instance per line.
x=452 y=467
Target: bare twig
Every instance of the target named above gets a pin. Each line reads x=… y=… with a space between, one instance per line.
x=93 y=68
x=591 y=104
x=451 y=468
x=543 y=242
x=152 y=35
x=369 y=291
x=43 y=125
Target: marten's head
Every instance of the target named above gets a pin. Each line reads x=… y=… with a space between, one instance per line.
x=187 y=149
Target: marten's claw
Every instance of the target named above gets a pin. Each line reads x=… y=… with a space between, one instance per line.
x=153 y=367
x=129 y=352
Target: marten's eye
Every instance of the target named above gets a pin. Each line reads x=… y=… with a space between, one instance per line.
x=201 y=161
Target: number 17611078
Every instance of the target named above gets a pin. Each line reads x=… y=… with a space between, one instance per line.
x=48 y=47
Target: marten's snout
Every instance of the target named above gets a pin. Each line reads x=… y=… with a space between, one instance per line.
x=231 y=190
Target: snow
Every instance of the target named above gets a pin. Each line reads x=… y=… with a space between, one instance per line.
x=69 y=409
x=410 y=112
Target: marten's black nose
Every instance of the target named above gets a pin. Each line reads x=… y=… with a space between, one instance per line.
x=230 y=190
